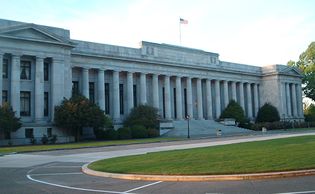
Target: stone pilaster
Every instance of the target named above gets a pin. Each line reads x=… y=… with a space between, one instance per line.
x=288 y=99
x=225 y=93
x=167 y=97
x=143 y=89
x=249 y=101
x=233 y=85
x=294 y=101
x=116 y=105
x=39 y=89
x=179 y=98
x=57 y=81
x=85 y=82
x=209 y=99
x=217 y=99
x=15 y=84
x=189 y=97
x=1 y=69
x=155 y=90
x=101 y=89
x=256 y=99
x=130 y=104
x=242 y=99
x=199 y=99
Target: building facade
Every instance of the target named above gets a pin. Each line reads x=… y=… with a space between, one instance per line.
x=41 y=65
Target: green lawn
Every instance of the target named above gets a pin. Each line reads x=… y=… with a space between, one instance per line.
x=262 y=156
x=29 y=148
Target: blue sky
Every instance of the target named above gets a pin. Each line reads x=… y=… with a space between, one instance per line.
x=255 y=32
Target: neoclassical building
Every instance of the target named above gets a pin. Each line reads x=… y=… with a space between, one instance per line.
x=41 y=65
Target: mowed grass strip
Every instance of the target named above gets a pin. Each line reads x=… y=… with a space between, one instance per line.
x=263 y=156
x=30 y=148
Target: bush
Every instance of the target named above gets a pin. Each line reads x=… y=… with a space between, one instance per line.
x=153 y=133
x=144 y=115
x=139 y=131
x=267 y=113
x=108 y=134
x=53 y=139
x=124 y=133
x=235 y=111
x=310 y=113
x=44 y=139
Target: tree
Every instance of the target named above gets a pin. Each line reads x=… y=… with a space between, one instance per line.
x=306 y=64
x=310 y=113
x=8 y=122
x=78 y=112
x=144 y=115
x=234 y=110
x=267 y=113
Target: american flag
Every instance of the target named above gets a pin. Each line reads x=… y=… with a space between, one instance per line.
x=183 y=21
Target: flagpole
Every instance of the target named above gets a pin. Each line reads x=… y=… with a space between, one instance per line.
x=180 y=33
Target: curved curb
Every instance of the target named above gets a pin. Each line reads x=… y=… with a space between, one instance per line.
x=184 y=178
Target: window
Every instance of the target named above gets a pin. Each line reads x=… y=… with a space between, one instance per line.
x=107 y=101
x=135 y=95
x=46 y=104
x=75 y=88
x=163 y=93
x=91 y=92
x=49 y=132
x=29 y=133
x=175 y=105
x=25 y=70
x=121 y=98
x=25 y=99
x=5 y=69
x=46 y=71
x=185 y=102
x=4 y=96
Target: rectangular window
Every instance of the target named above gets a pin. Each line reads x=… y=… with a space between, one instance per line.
x=29 y=133
x=25 y=100
x=46 y=71
x=4 y=96
x=107 y=101
x=175 y=105
x=46 y=104
x=135 y=95
x=185 y=102
x=121 y=98
x=163 y=93
x=5 y=68
x=91 y=92
x=25 y=70
x=75 y=88
x=49 y=132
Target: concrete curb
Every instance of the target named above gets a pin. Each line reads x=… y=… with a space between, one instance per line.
x=233 y=177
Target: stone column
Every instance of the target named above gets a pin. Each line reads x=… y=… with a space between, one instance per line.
x=199 y=99
x=179 y=109
x=130 y=104
x=39 y=89
x=294 y=102
x=242 y=99
x=299 y=100
x=116 y=105
x=101 y=89
x=287 y=88
x=143 y=89
x=167 y=97
x=155 y=90
x=226 y=93
x=15 y=85
x=209 y=99
x=249 y=101
x=217 y=99
x=233 y=85
x=1 y=66
x=189 y=97
x=256 y=102
x=85 y=82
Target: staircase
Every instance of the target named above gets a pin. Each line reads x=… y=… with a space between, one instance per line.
x=202 y=128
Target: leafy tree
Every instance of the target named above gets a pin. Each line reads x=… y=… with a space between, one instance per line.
x=306 y=64
x=144 y=115
x=267 y=113
x=8 y=121
x=310 y=113
x=235 y=111
x=78 y=112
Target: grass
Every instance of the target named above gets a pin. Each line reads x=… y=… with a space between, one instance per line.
x=30 y=148
x=262 y=156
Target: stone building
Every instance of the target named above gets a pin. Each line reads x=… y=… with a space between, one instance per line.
x=41 y=65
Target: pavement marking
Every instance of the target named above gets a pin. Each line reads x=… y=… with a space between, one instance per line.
x=63 y=167
x=73 y=188
x=299 y=192
x=54 y=174
x=147 y=185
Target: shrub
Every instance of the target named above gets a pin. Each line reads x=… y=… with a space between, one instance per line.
x=267 y=113
x=124 y=133
x=53 y=139
x=44 y=139
x=234 y=110
x=144 y=115
x=310 y=113
x=153 y=132
x=139 y=131
x=108 y=134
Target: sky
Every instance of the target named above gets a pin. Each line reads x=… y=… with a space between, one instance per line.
x=253 y=32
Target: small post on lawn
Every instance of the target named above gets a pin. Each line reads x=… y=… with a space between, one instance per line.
x=187 y=118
